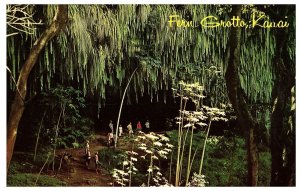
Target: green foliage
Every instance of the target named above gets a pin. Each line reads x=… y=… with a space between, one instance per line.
x=111 y=158
x=226 y=160
x=26 y=179
x=22 y=162
x=123 y=176
x=110 y=40
x=74 y=128
x=17 y=167
x=264 y=174
x=23 y=172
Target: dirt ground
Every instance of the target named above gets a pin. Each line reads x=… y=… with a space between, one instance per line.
x=77 y=174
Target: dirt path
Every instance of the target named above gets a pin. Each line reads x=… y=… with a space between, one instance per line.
x=78 y=174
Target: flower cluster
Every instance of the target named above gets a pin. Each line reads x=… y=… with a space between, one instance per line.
x=154 y=147
x=198 y=180
x=122 y=177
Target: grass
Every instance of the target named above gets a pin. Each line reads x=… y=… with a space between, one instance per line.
x=28 y=179
x=23 y=172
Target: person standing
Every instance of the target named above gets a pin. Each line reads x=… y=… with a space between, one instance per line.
x=87 y=147
x=147 y=124
x=97 y=163
x=120 y=130
x=111 y=126
x=110 y=139
x=129 y=127
x=88 y=159
x=139 y=126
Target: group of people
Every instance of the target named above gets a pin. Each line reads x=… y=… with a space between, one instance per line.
x=129 y=128
x=111 y=141
x=88 y=157
x=110 y=136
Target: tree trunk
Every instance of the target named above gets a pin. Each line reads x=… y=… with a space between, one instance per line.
x=282 y=138
x=237 y=99
x=18 y=104
x=121 y=105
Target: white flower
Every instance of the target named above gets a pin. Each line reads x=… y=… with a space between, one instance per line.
x=169 y=145
x=143 y=148
x=162 y=152
x=149 y=152
x=151 y=137
x=159 y=144
x=188 y=125
x=164 y=138
x=198 y=113
x=178 y=118
x=202 y=124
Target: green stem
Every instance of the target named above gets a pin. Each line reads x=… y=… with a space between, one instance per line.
x=189 y=158
x=123 y=171
x=130 y=169
x=183 y=144
x=178 y=147
x=151 y=166
x=203 y=151
x=170 y=175
x=182 y=153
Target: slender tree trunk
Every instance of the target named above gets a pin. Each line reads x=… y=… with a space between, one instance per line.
x=38 y=136
x=120 y=111
x=18 y=104
x=37 y=178
x=56 y=135
x=237 y=99
x=252 y=155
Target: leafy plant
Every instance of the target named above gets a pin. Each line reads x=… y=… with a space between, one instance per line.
x=154 y=147
x=124 y=175
x=197 y=180
x=74 y=128
x=151 y=148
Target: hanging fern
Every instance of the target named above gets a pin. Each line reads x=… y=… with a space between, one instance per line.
x=102 y=44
